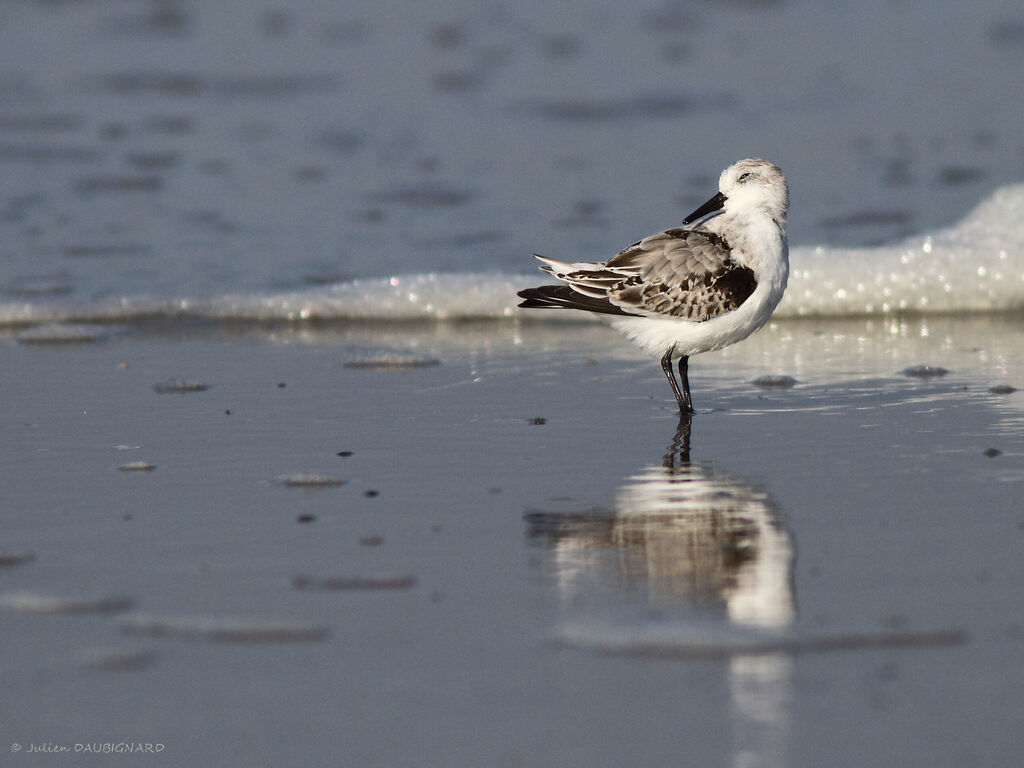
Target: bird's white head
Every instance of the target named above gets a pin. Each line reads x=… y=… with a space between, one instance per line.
x=755 y=184
x=751 y=186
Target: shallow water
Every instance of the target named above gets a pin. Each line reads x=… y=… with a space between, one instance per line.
x=849 y=546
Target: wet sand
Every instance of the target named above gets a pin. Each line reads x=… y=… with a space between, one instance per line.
x=415 y=544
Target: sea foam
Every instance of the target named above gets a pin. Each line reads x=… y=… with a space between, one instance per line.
x=977 y=265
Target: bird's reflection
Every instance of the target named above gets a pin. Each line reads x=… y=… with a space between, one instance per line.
x=685 y=537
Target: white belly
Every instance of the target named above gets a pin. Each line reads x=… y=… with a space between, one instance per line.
x=657 y=335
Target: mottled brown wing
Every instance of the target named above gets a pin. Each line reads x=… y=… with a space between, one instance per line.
x=681 y=273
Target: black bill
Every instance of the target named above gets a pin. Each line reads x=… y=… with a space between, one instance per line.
x=712 y=205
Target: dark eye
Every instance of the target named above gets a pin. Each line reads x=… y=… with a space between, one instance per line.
x=744 y=176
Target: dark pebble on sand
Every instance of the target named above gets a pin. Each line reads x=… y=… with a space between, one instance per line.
x=1002 y=389
x=9 y=558
x=392 y=361
x=310 y=480
x=924 y=371
x=179 y=386
x=991 y=452
x=137 y=466
x=344 y=454
x=538 y=421
x=113 y=660
x=306 y=518
x=342 y=583
x=775 y=382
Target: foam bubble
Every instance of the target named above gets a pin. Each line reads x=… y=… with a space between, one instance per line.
x=225 y=629
x=35 y=602
x=62 y=333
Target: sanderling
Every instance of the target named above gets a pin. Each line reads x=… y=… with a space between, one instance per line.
x=696 y=288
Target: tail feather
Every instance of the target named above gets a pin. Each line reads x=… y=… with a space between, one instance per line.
x=553 y=266
x=587 y=289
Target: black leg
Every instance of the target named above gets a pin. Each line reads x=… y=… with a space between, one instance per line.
x=666 y=366
x=684 y=365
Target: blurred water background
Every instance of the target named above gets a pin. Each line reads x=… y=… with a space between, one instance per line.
x=238 y=159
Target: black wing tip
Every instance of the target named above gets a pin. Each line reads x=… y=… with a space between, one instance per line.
x=564 y=297
x=537 y=298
